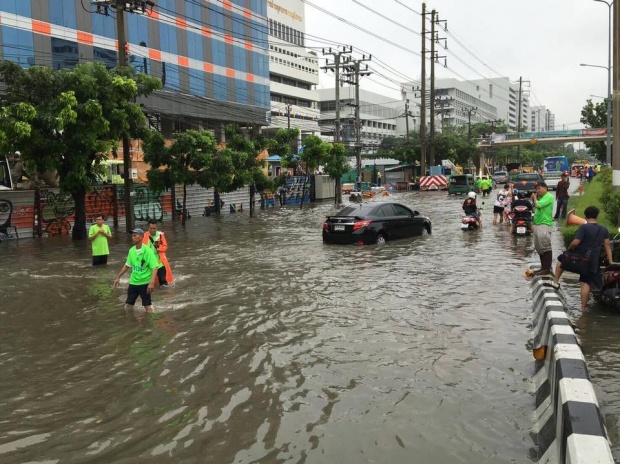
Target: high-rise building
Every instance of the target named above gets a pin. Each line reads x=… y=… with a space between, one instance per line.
x=212 y=57
x=459 y=103
x=541 y=119
x=293 y=70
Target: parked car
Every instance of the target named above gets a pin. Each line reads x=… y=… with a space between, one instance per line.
x=374 y=222
x=500 y=178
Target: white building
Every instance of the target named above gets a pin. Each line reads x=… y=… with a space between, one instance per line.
x=293 y=71
x=541 y=119
x=380 y=117
x=459 y=103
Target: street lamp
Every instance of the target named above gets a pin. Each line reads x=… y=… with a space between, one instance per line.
x=608 y=68
x=609 y=40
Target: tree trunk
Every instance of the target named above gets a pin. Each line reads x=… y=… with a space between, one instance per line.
x=184 y=211
x=252 y=194
x=216 y=199
x=79 y=226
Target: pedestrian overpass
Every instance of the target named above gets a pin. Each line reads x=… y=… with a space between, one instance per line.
x=532 y=138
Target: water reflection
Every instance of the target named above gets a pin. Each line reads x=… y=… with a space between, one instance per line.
x=273 y=347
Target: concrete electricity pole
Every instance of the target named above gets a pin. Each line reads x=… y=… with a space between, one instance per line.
x=423 y=97
x=339 y=59
x=615 y=152
x=353 y=75
x=120 y=7
x=434 y=59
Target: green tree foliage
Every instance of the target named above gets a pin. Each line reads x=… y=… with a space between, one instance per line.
x=594 y=116
x=281 y=144
x=68 y=121
x=192 y=158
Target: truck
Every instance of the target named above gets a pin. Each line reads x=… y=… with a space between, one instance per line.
x=526 y=182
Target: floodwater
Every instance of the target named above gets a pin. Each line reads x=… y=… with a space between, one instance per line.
x=272 y=347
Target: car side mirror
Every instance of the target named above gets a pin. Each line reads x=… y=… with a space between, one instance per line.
x=416 y=213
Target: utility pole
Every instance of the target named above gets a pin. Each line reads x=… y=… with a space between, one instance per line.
x=469 y=112
x=615 y=152
x=434 y=59
x=120 y=7
x=338 y=60
x=353 y=75
x=521 y=82
x=423 y=99
x=407 y=120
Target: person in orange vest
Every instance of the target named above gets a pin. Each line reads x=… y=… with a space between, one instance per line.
x=156 y=240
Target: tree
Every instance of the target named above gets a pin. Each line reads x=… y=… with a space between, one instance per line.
x=190 y=159
x=314 y=154
x=246 y=150
x=336 y=165
x=595 y=116
x=79 y=116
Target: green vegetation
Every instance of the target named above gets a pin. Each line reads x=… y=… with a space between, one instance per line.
x=67 y=122
x=596 y=193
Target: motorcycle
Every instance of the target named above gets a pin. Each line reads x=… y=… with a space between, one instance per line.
x=521 y=218
x=608 y=290
x=469 y=221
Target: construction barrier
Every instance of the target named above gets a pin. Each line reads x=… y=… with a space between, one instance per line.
x=569 y=427
x=433 y=183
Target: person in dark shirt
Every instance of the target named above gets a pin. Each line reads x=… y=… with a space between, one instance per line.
x=589 y=236
x=471 y=208
x=519 y=200
x=561 y=197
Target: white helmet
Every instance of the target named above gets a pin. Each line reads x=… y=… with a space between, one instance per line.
x=472 y=195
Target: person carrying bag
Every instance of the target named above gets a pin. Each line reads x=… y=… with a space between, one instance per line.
x=583 y=254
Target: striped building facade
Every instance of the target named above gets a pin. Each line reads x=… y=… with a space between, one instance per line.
x=212 y=55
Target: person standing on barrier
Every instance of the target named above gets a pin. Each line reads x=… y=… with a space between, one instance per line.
x=543 y=201
x=589 y=236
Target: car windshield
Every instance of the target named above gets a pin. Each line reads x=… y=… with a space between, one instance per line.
x=528 y=177
x=357 y=210
x=459 y=180
x=500 y=173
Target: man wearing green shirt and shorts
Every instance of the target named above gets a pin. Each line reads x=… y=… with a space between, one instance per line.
x=99 y=234
x=143 y=265
x=543 y=222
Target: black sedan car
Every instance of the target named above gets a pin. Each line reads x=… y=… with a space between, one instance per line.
x=374 y=222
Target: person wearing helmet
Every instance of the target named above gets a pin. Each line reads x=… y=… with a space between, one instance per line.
x=471 y=208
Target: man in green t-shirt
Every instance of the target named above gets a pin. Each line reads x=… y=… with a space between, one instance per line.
x=542 y=223
x=143 y=265
x=99 y=234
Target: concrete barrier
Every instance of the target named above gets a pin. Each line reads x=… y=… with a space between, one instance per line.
x=569 y=426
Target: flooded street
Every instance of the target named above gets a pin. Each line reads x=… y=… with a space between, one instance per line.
x=272 y=347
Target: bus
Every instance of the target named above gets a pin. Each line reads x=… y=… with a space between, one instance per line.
x=555 y=164
x=553 y=167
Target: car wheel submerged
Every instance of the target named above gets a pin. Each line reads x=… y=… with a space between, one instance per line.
x=425 y=231
x=380 y=239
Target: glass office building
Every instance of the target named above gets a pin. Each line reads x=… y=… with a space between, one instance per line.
x=212 y=55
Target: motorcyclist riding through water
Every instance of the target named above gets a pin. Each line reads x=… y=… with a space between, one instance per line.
x=471 y=208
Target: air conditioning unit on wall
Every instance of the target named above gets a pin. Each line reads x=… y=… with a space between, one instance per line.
x=134 y=174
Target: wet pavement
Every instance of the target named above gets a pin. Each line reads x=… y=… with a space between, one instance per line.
x=272 y=347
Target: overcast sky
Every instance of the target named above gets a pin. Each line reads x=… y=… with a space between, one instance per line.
x=542 y=41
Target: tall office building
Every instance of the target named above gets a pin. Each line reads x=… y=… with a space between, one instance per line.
x=541 y=119
x=293 y=70
x=211 y=56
